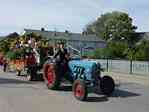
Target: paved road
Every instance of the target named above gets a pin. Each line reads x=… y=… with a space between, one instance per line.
x=18 y=95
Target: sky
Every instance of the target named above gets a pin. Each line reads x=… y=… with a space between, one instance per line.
x=61 y=15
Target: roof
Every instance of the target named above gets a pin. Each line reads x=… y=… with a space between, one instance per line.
x=143 y=35
x=64 y=35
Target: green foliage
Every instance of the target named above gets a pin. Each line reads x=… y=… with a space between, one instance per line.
x=12 y=55
x=120 y=50
x=119 y=32
x=116 y=26
x=89 y=54
x=101 y=53
x=113 y=50
x=7 y=44
x=116 y=50
x=142 y=51
x=4 y=46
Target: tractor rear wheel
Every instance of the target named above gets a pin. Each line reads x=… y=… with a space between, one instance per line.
x=52 y=76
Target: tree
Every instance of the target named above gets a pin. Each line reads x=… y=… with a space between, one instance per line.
x=4 y=45
x=116 y=50
x=115 y=26
x=142 y=51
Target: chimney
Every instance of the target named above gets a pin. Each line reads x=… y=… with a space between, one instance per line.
x=66 y=31
x=42 y=29
x=84 y=33
x=55 y=33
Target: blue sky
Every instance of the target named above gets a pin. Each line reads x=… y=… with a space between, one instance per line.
x=73 y=15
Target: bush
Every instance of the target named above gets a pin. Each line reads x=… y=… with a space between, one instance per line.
x=116 y=50
x=142 y=51
x=101 y=53
x=12 y=55
x=113 y=50
x=89 y=54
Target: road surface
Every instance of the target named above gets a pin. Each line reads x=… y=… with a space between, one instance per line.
x=19 y=95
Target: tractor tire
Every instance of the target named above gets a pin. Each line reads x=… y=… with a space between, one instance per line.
x=80 y=90
x=52 y=76
x=107 y=85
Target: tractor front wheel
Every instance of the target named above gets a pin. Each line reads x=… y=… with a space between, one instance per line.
x=107 y=85
x=80 y=90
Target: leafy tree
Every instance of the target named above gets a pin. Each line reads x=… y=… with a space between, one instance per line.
x=115 y=26
x=101 y=53
x=114 y=50
x=142 y=51
x=4 y=45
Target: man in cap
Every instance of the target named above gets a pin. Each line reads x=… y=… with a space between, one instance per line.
x=62 y=54
x=62 y=57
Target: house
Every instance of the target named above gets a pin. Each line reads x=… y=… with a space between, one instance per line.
x=76 y=40
x=143 y=35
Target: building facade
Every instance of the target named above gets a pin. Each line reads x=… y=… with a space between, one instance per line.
x=76 y=40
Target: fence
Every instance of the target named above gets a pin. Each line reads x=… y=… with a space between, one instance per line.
x=124 y=66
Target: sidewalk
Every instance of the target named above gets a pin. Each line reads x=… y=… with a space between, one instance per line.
x=130 y=78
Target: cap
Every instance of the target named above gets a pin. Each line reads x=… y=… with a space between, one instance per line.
x=60 y=42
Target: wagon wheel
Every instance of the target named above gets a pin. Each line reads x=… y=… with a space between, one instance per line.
x=18 y=72
x=51 y=76
x=31 y=67
x=107 y=85
x=28 y=76
x=31 y=73
x=80 y=90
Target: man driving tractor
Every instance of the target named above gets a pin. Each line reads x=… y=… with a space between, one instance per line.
x=62 y=58
x=62 y=53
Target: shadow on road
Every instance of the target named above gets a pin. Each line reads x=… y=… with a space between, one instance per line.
x=97 y=99
x=67 y=88
x=117 y=93
x=124 y=93
x=13 y=81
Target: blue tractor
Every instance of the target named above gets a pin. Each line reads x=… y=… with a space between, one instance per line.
x=84 y=74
